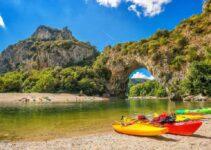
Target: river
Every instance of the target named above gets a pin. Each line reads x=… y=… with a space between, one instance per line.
x=49 y=121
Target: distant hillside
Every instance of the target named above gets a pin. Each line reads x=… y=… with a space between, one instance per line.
x=47 y=47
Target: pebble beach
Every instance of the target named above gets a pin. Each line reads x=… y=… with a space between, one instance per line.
x=110 y=140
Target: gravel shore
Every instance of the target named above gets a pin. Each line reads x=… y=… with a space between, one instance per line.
x=46 y=98
x=111 y=140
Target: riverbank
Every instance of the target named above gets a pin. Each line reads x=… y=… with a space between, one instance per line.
x=46 y=98
x=112 y=140
x=188 y=98
x=147 y=97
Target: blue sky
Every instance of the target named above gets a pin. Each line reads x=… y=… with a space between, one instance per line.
x=102 y=22
x=142 y=73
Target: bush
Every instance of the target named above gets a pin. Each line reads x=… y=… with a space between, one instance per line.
x=135 y=90
x=148 y=88
x=177 y=62
x=198 y=80
x=45 y=83
x=161 y=33
x=182 y=42
x=192 y=54
x=11 y=82
x=68 y=80
x=30 y=81
x=91 y=86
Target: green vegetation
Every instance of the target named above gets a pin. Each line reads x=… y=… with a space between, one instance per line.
x=180 y=58
x=84 y=80
x=148 y=88
x=198 y=80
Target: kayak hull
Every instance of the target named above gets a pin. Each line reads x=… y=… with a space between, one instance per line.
x=200 y=111
x=139 y=129
x=183 y=128
x=180 y=118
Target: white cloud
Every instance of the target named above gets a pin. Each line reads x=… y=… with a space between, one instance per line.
x=109 y=3
x=134 y=9
x=139 y=75
x=2 y=22
x=148 y=8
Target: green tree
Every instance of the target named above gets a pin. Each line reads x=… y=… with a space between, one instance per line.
x=198 y=79
x=91 y=86
x=31 y=79
x=45 y=83
x=68 y=80
x=11 y=82
x=148 y=88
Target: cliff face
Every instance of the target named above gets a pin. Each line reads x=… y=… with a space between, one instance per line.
x=167 y=54
x=47 y=47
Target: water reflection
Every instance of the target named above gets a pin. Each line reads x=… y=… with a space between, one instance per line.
x=69 y=119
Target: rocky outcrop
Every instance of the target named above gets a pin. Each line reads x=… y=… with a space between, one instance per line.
x=195 y=98
x=47 y=47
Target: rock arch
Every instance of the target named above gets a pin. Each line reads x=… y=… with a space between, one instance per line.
x=121 y=68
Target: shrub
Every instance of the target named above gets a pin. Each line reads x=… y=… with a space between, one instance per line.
x=192 y=54
x=182 y=42
x=45 y=83
x=198 y=79
x=177 y=62
x=30 y=81
x=148 y=88
x=161 y=33
x=90 y=86
x=11 y=82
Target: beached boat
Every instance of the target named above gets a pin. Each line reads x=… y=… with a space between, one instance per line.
x=139 y=129
x=194 y=111
x=179 y=124
x=183 y=128
x=180 y=118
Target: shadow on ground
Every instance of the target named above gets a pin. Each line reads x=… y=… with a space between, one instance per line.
x=163 y=138
x=201 y=136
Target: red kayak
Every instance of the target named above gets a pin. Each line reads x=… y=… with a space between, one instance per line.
x=183 y=128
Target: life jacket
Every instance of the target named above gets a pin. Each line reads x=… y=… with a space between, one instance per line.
x=164 y=118
x=142 y=118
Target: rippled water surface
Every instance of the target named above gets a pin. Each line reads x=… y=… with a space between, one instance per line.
x=42 y=122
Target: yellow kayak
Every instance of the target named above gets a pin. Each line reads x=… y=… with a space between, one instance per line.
x=140 y=129
x=188 y=117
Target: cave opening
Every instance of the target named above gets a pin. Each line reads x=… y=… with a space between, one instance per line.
x=141 y=83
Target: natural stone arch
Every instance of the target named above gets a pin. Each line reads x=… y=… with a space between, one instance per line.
x=122 y=67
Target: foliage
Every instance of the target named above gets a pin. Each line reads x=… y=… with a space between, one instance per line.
x=72 y=80
x=177 y=62
x=198 y=79
x=192 y=54
x=148 y=88
x=11 y=82
x=45 y=83
x=91 y=86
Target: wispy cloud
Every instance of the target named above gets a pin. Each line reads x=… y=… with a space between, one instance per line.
x=134 y=9
x=148 y=8
x=2 y=24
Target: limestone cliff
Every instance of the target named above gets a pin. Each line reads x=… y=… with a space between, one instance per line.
x=47 y=47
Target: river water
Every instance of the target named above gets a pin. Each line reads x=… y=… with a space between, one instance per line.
x=48 y=121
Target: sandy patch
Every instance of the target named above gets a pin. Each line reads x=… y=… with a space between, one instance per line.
x=45 y=97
